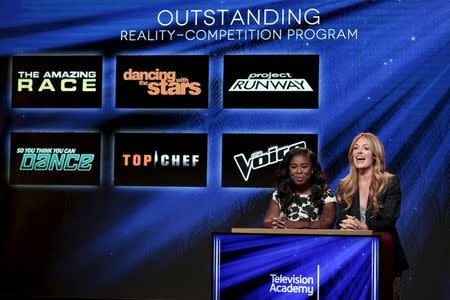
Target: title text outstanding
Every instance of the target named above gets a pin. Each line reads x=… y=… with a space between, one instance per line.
x=239 y=24
x=224 y=17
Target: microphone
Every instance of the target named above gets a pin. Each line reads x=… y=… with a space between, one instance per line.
x=316 y=199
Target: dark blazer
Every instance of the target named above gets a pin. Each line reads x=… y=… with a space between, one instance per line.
x=390 y=199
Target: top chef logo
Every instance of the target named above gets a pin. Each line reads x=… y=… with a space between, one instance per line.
x=271 y=82
x=156 y=159
x=261 y=159
x=160 y=159
x=163 y=83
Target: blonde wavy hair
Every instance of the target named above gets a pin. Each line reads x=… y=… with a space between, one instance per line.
x=349 y=184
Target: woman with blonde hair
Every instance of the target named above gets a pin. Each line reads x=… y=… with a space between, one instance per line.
x=369 y=197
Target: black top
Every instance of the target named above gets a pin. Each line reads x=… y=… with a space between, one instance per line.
x=390 y=199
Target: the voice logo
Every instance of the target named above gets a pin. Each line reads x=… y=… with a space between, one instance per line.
x=261 y=159
x=251 y=159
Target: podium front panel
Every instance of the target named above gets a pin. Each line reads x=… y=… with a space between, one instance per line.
x=292 y=266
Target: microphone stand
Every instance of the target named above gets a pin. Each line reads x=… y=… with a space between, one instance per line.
x=309 y=209
x=316 y=195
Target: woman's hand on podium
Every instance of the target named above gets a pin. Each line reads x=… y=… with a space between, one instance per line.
x=277 y=222
x=284 y=223
x=352 y=223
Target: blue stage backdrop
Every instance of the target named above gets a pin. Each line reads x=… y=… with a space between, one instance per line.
x=383 y=67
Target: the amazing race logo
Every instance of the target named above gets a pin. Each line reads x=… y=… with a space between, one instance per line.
x=250 y=160
x=55 y=158
x=57 y=82
x=292 y=284
x=271 y=81
x=162 y=81
x=156 y=159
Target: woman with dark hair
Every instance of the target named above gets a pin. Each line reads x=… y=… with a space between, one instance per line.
x=302 y=198
x=369 y=197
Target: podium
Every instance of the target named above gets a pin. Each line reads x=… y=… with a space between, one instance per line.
x=259 y=263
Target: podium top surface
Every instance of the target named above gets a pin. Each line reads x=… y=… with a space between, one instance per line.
x=303 y=231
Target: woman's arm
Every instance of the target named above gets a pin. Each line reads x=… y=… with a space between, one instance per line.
x=346 y=220
x=391 y=208
x=301 y=224
x=327 y=218
x=389 y=213
x=273 y=218
x=341 y=215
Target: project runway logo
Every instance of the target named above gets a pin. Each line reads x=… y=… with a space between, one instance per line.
x=271 y=82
